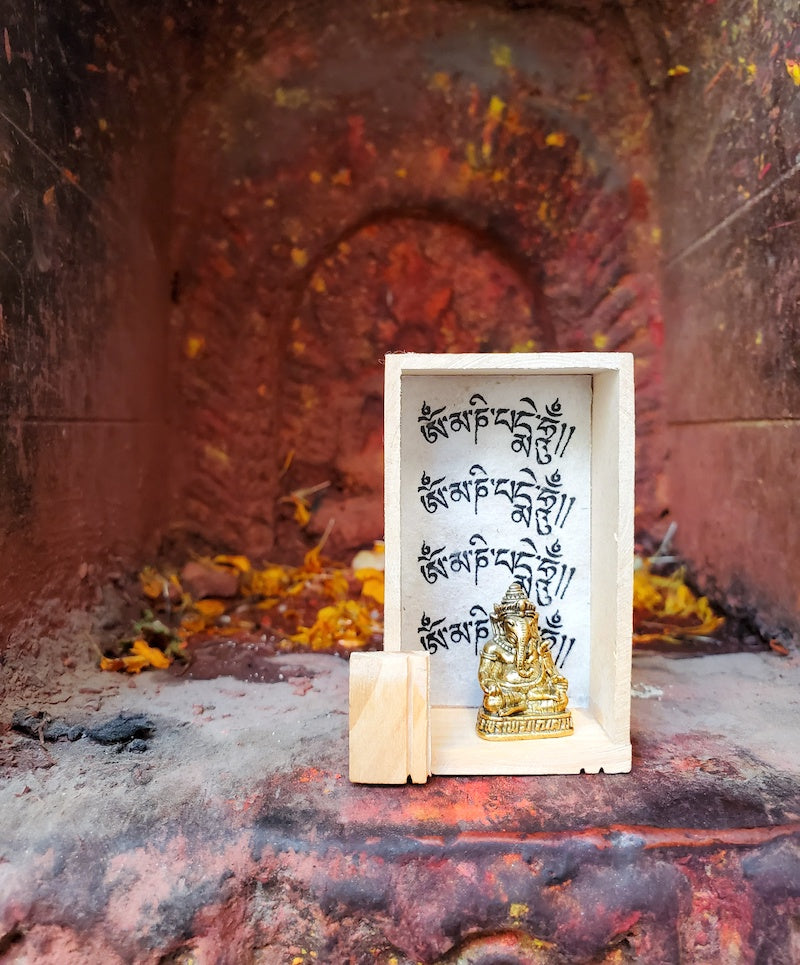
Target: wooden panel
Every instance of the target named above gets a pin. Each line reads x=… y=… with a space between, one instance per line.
x=391 y=499
x=612 y=549
x=419 y=741
x=457 y=749
x=389 y=736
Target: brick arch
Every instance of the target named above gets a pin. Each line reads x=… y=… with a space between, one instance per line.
x=396 y=283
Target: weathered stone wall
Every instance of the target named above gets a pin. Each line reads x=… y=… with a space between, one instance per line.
x=730 y=153
x=90 y=95
x=83 y=292
x=217 y=219
x=427 y=177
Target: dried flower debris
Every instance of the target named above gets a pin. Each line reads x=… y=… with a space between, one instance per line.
x=319 y=605
x=665 y=609
x=332 y=607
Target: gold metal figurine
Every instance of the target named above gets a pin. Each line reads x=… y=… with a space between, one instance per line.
x=525 y=696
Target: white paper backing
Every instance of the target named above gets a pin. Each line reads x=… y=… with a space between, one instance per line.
x=495 y=487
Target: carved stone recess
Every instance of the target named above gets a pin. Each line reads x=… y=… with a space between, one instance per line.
x=449 y=208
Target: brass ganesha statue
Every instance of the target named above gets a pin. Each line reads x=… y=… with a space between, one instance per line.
x=525 y=696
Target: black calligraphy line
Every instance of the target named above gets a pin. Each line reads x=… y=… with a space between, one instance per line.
x=437 y=423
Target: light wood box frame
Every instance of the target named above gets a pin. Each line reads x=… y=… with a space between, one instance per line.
x=602 y=729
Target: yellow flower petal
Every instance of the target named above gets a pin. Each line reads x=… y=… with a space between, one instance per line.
x=240 y=563
x=556 y=139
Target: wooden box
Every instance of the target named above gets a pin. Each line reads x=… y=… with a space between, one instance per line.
x=502 y=467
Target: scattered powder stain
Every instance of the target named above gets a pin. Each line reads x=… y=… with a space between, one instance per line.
x=193 y=346
x=292 y=97
x=496 y=107
x=217 y=455
x=501 y=56
x=440 y=81
x=299 y=257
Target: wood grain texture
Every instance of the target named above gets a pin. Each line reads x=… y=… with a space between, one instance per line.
x=389 y=734
x=391 y=501
x=419 y=709
x=457 y=749
x=612 y=548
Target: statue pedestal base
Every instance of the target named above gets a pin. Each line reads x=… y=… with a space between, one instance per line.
x=523 y=726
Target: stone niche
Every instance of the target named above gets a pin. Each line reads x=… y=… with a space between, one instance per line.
x=224 y=215
x=215 y=220
x=433 y=179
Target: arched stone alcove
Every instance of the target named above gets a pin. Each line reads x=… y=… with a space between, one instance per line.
x=364 y=187
x=176 y=174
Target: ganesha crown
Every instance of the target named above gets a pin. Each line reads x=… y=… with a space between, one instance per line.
x=515 y=603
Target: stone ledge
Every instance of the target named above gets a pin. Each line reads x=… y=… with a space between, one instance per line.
x=236 y=836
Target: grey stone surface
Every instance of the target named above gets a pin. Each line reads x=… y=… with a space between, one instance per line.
x=235 y=835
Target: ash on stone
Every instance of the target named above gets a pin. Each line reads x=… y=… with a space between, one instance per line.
x=123 y=728
x=43 y=727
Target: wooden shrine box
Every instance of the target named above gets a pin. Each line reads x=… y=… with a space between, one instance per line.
x=504 y=468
